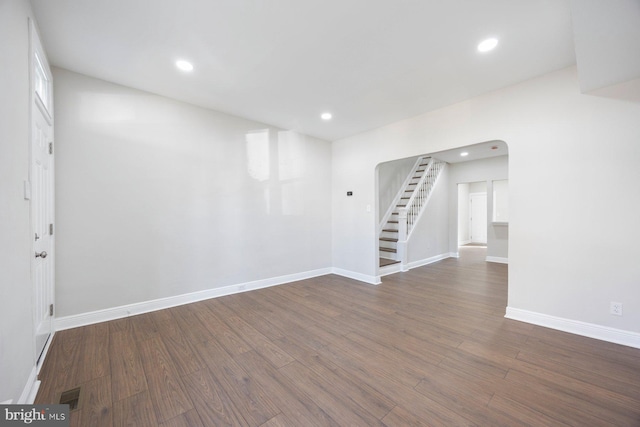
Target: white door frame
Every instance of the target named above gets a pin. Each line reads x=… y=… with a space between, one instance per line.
x=41 y=189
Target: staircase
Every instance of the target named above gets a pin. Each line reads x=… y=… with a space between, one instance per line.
x=405 y=211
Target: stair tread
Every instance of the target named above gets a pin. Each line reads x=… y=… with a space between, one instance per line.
x=392 y=222
x=390 y=230
x=388 y=239
x=388 y=250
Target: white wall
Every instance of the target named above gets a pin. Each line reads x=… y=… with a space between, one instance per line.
x=17 y=348
x=480 y=174
x=572 y=248
x=391 y=176
x=478 y=187
x=463 y=235
x=157 y=198
x=500 y=200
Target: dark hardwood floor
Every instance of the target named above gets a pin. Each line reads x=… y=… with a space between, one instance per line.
x=428 y=347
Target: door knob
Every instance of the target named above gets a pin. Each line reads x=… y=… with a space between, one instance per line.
x=42 y=254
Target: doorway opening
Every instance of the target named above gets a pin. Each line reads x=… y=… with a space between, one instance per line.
x=472 y=213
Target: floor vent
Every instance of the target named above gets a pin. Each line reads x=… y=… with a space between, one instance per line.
x=70 y=397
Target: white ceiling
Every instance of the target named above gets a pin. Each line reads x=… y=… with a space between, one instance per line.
x=479 y=151
x=284 y=62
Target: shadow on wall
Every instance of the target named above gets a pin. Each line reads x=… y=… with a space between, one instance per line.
x=277 y=162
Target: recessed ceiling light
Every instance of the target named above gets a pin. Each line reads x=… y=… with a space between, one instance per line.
x=464 y=154
x=184 y=65
x=326 y=116
x=487 y=45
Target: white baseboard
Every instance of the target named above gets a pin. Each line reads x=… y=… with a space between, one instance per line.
x=372 y=280
x=454 y=254
x=30 y=390
x=426 y=261
x=7 y=402
x=44 y=352
x=32 y=386
x=591 y=330
x=498 y=259
x=98 y=316
x=464 y=242
x=390 y=269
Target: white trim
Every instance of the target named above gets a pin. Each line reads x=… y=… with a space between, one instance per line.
x=390 y=269
x=464 y=242
x=7 y=402
x=372 y=280
x=30 y=390
x=45 y=351
x=426 y=261
x=98 y=316
x=591 y=330
x=498 y=259
x=397 y=268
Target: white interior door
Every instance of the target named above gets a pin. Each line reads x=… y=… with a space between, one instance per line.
x=478 y=217
x=42 y=187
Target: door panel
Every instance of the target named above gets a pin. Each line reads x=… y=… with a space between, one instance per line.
x=478 y=217
x=42 y=191
x=42 y=216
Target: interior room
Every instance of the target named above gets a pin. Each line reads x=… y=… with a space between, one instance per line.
x=278 y=203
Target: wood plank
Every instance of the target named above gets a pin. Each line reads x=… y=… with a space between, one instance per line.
x=183 y=353
x=222 y=332
x=258 y=342
x=165 y=386
x=134 y=411
x=95 y=353
x=321 y=392
x=298 y=408
x=188 y=419
x=143 y=327
x=166 y=322
x=279 y=420
x=95 y=403
x=213 y=405
x=255 y=404
x=127 y=374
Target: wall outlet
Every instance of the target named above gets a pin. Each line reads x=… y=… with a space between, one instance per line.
x=615 y=308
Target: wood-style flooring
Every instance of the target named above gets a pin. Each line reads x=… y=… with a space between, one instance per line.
x=427 y=347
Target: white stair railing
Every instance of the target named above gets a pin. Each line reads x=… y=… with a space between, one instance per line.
x=410 y=214
x=393 y=205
